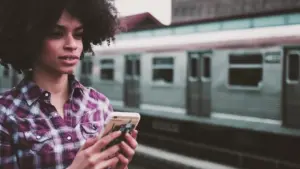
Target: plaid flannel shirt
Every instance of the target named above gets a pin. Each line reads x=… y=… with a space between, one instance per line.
x=33 y=135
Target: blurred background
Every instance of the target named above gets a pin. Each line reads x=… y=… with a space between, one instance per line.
x=216 y=81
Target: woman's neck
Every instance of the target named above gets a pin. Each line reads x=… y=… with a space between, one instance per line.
x=56 y=84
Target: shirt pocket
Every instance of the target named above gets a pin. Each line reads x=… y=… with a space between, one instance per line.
x=90 y=129
x=39 y=141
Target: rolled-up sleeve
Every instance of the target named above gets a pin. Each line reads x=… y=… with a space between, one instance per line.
x=8 y=160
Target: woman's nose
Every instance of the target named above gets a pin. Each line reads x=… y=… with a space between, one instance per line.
x=70 y=43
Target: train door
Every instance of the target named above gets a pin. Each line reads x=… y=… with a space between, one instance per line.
x=86 y=71
x=132 y=96
x=291 y=87
x=199 y=84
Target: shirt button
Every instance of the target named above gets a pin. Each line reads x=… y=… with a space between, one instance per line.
x=69 y=137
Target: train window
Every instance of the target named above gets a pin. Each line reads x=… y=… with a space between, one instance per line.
x=137 y=67
x=107 y=62
x=129 y=70
x=245 y=77
x=163 y=61
x=163 y=70
x=194 y=67
x=245 y=70
x=206 y=67
x=6 y=72
x=133 y=65
x=293 y=67
x=107 y=69
x=86 y=67
x=90 y=67
x=246 y=59
x=83 y=67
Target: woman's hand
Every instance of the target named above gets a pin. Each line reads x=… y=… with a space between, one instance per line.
x=128 y=148
x=91 y=157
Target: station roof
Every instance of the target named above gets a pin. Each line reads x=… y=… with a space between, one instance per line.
x=139 y=21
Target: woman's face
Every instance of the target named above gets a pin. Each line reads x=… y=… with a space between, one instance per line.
x=62 y=47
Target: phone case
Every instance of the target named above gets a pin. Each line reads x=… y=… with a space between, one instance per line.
x=123 y=121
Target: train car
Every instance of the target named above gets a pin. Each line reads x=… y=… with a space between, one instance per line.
x=239 y=75
x=207 y=74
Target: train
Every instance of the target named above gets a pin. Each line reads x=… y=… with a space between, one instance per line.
x=228 y=81
x=246 y=74
x=235 y=84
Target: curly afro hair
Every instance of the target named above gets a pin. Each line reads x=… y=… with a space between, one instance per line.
x=24 y=25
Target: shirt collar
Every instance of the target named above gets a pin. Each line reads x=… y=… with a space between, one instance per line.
x=32 y=92
x=76 y=88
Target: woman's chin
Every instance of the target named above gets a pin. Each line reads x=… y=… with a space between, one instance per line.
x=67 y=71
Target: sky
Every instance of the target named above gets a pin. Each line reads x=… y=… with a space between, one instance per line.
x=161 y=9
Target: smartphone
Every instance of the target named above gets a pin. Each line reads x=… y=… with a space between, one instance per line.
x=123 y=121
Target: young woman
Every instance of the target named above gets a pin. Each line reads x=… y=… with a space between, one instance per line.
x=50 y=120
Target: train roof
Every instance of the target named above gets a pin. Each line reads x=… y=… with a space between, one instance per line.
x=252 y=37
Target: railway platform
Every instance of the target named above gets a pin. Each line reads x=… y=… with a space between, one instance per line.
x=238 y=143
x=148 y=158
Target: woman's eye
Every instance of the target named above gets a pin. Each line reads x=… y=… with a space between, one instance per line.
x=78 y=35
x=56 y=34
